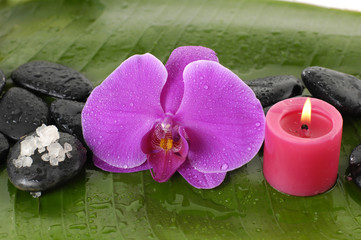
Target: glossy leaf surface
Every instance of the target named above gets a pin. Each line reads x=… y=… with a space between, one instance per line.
x=252 y=38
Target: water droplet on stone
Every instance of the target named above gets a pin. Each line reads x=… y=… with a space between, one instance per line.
x=337 y=88
x=40 y=76
x=270 y=90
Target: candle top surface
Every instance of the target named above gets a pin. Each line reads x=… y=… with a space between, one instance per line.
x=284 y=118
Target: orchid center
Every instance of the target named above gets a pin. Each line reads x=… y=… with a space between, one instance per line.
x=166 y=143
x=166 y=136
x=166 y=148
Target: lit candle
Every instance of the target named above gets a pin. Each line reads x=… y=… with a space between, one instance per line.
x=301 y=155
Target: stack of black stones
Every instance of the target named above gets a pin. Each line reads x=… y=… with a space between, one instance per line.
x=44 y=93
x=23 y=109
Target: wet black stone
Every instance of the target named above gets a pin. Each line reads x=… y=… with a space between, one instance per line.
x=67 y=116
x=355 y=165
x=270 y=90
x=53 y=79
x=21 y=112
x=4 y=147
x=2 y=81
x=341 y=90
x=41 y=176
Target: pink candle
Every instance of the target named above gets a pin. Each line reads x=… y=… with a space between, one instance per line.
x=301 y=158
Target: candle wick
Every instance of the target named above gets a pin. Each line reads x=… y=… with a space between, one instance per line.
x=305 y=132
x=304 y=127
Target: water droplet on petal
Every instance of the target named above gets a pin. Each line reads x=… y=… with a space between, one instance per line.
x=249 y=148
x=131 y=104
x=205 y=87
x=258 y=124
x=224 y=167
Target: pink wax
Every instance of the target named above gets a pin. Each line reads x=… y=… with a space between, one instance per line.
x=299 y=165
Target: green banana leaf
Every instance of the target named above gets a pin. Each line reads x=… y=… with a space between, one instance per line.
x=253 y=39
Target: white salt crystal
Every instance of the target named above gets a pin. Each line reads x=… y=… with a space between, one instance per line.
x=47 y=134
x=60 y=158
x=27 y=146
x=53 y=161
x=55 y=150
x=18 y=163
x=38 y=142
x=35 y=194
x=45 y=157
x=40 y=129
x=67 y=147
x=42 y=149
x=27 y=161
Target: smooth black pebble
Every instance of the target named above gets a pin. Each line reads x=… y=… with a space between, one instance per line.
x=2 y=81
x=53 y=79
x=67 y=116
x=4 y=147
x=41 y=176
x=341 y=90
x=21 y=112
x=355 y=165
x=270 y=90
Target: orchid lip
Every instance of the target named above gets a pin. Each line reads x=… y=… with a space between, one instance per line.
x=166 y=149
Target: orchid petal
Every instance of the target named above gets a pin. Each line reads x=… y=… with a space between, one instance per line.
x=121 y=110
x=172 y=93
x=109 y=168
x=223 y=118
x=198 y=179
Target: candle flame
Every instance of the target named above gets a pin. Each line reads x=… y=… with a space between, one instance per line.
x=306 y=113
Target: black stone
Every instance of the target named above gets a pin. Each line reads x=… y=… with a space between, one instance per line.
x=41 y=176
x=355 y=165
x=341 y=90
x=2 y=81
x=67 y=116
x=4 y=147
x=270 y=90
x=21 y=112
x=53 y=79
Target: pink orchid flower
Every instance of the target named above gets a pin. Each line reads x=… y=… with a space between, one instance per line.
x=192 y=115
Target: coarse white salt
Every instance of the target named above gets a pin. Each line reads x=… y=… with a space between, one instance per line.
x=27 y=146
x=67 y=147
x=35 y=194
x=55 y=150
x=53 y=161
x=27 y=161
x=18 y=162
x=41 y=150
x=47 y=139
x=45 y=157
x=47 y=134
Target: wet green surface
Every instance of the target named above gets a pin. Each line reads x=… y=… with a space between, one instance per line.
x=254 y=39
